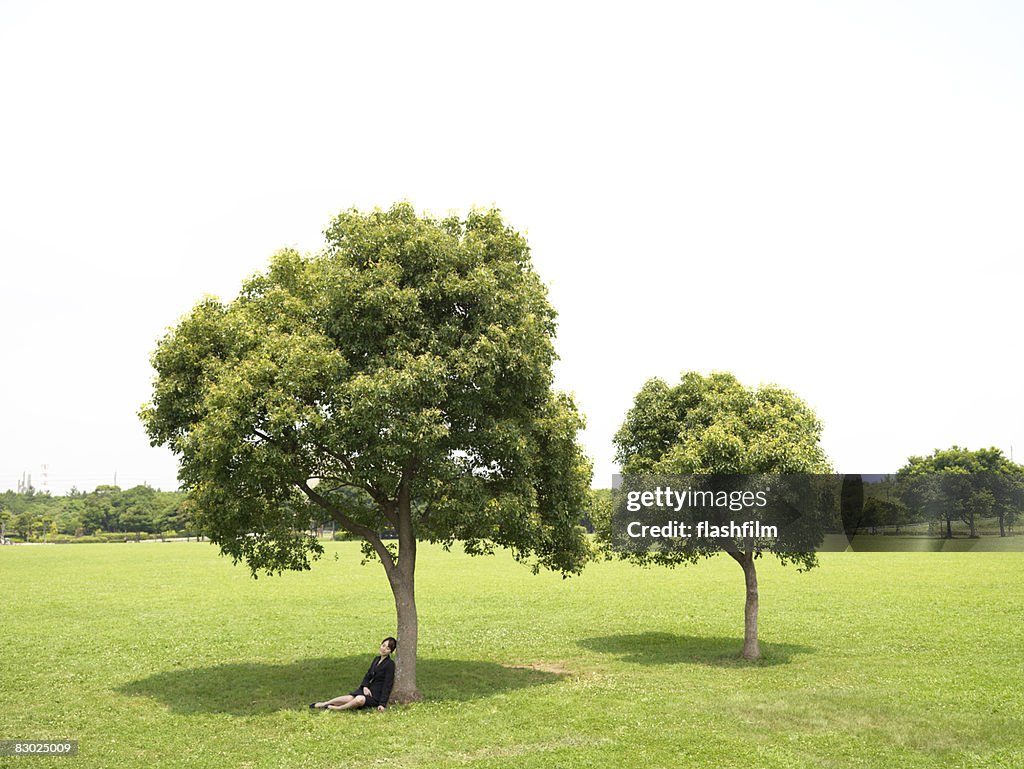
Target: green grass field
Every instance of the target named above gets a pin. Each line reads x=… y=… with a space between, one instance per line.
x=167 y=655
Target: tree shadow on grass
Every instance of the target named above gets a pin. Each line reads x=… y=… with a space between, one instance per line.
x=672 y=649
x=245 y=689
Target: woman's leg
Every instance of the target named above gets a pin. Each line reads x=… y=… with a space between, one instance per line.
x=336 y=701
x=353 y=702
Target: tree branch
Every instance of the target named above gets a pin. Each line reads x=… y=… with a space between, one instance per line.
x=347 y=465
x=350 y=468
x=356 y=528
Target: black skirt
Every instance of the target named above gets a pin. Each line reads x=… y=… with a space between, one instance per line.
x=371 y=701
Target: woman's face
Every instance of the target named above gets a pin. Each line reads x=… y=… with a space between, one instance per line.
x=385 y=648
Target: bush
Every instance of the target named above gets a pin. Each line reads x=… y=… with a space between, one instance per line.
x=123 y=536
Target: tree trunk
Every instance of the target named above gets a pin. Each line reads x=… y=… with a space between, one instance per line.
x=403 y=585
x=949 y=528
x=1002 y=529
x=405 y=689
x=751 y=647
x=401 y=573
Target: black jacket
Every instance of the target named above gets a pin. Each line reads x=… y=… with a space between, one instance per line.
x=379 y=679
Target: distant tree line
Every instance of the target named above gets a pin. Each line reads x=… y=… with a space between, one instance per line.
x=970 y=490
x=38 y=516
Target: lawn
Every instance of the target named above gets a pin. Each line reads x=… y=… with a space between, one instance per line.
x=164 y=654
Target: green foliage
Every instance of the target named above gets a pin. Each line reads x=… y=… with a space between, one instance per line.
x=714 y=424
x=107 y=508
x=957 y=483
x=407 y=363
x=708 y=425
x=879 y=511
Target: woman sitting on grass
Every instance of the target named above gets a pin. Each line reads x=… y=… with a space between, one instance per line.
x=375 y=688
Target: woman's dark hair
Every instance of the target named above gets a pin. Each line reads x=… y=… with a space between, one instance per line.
x=391 y=642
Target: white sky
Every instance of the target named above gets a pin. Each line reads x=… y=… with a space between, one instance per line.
x=827 y=196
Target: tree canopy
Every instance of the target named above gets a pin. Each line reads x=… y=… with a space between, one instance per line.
x=715 y=424
x=400 y=379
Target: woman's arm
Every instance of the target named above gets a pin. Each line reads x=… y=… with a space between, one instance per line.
x=366 y=678
x=389 y=680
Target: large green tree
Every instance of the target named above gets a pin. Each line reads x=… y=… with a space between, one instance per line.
x=714 y=425
x=399 y=380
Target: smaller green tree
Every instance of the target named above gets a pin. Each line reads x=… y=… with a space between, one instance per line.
x=100 y=511
x=1009 y=500
x=137 y=509
x=23 y=525
x=713 y=425
x=882 y=506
